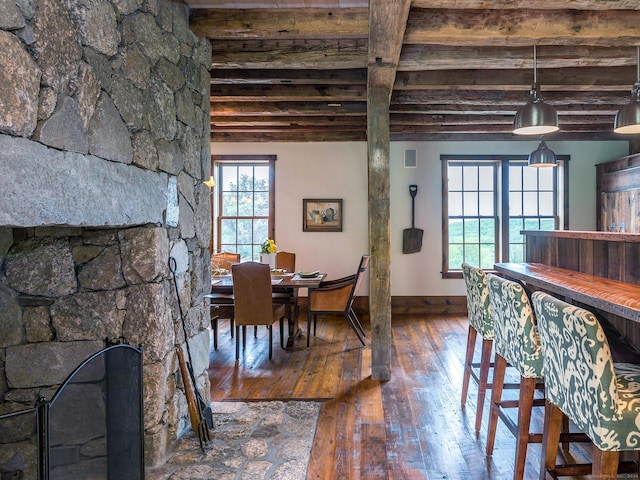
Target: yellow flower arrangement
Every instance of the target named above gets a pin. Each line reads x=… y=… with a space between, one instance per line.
x=268 y=246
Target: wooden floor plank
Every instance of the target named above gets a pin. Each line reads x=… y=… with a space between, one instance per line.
x=410 y=427
x=374 y=462
x=324 y=443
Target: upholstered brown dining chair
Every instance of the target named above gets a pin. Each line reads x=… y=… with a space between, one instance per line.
x=283 y=295
x=254 y=303
x=286 y=261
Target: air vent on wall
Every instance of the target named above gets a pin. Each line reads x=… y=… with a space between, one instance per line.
x=410 y=158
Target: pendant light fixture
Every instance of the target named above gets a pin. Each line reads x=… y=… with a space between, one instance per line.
x=536 y=117
x=542 y=156
x=628 y=117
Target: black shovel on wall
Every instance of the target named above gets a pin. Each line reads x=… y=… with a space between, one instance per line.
x=412 y=237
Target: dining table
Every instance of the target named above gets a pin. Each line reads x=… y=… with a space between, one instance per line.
x=281 y=282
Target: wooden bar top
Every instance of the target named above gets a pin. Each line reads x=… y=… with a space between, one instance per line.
x=585 y=235
x=613 y=296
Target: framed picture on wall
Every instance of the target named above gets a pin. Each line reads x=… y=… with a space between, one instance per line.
x=322 y=215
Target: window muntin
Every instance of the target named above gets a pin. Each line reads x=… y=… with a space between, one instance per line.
x=245 y=205
x=487 y=201
x=532 y=204
x=472 y=214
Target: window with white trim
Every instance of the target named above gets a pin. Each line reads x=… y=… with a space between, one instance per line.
x=244 y=207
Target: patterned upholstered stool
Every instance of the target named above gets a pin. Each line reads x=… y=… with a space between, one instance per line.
x=601 y=397
x=480 y=321
x=516 y=343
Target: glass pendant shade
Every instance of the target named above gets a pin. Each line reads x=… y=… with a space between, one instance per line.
x=536 y=117
x=542 y=156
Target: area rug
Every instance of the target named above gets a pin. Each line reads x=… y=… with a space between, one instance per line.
x=251 y=440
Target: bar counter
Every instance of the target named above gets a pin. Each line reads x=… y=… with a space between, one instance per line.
x=584 y=235
x=606 y=256
x=619 y=298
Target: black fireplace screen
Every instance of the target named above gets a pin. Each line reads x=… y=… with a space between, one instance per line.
x=92 y=428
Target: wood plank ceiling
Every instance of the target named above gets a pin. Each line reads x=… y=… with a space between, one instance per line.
x=296 y=70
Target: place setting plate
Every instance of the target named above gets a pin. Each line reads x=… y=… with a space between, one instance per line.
x=306 y=275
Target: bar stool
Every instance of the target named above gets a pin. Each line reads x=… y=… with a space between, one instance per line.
x=582 y=382
x=480 y=321
x=516 y=343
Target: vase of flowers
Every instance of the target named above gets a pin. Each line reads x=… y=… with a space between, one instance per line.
x=268 y=253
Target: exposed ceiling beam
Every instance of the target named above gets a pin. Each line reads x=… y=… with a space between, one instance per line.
x=341 y=53
x=457 y=66
x=226 y=24
x=526 y=27
x=528 y=4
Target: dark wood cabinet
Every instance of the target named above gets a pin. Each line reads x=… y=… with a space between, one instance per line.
x=618 y=195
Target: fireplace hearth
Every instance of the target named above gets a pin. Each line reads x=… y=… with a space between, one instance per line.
x=92 y=426
x=104 y=144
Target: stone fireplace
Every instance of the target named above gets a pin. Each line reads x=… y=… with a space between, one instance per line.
x=104 y=143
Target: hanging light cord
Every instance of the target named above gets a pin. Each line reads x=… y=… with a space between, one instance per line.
x=635 y=90
x=637 y=64
x=535 y=66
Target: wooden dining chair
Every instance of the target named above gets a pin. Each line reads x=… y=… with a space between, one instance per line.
x=222 y=301
x=220 y=306
x=582 y=382
x=283 y=295
x=286 y=261
x=254 y=303
x=336 y=297
x=224 y=260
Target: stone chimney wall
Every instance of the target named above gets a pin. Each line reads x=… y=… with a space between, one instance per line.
x=104 y=143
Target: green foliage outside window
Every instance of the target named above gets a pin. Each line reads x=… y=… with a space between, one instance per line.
x=474 y=206
x=244 y=217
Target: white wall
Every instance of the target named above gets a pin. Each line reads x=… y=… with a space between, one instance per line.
x=317 y=170
x=339 y=170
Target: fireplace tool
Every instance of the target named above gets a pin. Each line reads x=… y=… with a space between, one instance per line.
x=198 y=424
x=200 y=413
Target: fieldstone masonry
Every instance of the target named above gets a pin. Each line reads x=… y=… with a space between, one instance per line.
x=104 y=143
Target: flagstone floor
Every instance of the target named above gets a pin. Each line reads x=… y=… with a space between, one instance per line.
x=251 y=440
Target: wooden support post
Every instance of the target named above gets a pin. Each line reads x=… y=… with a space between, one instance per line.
x=387 y=23
x=379 y=231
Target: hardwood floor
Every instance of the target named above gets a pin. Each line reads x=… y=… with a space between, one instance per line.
x=411 y=427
